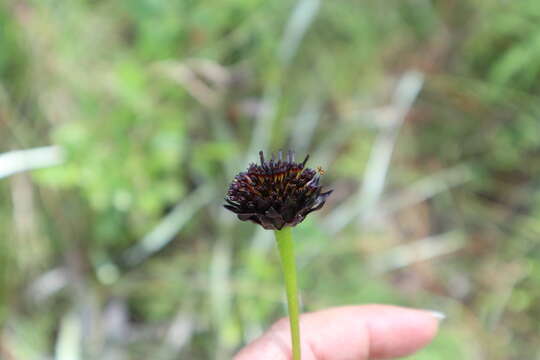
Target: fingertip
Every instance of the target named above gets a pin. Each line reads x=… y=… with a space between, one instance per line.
x=350 y=332
x=397 y=331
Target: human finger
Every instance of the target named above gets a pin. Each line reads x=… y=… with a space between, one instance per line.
x=350 y=332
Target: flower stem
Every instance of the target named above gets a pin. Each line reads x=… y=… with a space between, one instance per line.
x=286 y=252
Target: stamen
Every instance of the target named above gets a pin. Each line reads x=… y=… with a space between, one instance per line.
x=290 y=156
x=305 y=161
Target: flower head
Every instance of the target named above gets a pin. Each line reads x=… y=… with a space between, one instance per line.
x=278 y=193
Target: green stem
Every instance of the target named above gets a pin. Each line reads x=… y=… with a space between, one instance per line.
x=286 y=252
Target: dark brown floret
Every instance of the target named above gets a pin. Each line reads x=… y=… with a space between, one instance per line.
x=275 y=194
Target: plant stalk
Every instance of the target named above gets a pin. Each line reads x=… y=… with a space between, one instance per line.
x=286 y=253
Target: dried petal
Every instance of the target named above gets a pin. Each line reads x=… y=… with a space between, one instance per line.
x=275 y=194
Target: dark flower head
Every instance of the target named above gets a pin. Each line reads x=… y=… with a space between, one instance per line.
x=276 y=193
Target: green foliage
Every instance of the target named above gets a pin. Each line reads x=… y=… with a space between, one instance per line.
x=156 y=104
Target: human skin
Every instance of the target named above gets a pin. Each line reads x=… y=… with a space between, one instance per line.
x=349 y=333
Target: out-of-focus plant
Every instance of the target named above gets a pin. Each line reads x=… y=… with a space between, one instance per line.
x=151 y=100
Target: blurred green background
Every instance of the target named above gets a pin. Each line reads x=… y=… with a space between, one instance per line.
x=122 y=123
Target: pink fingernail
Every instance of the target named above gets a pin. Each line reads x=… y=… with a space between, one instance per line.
x=437 y=314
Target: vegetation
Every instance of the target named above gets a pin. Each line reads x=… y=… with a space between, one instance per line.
x=424 y=114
